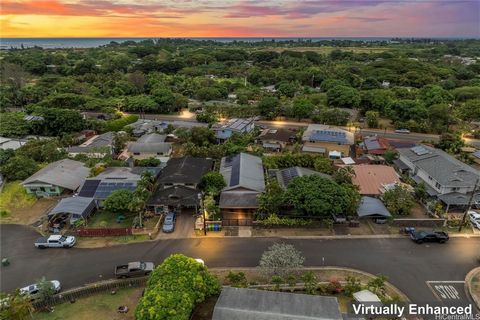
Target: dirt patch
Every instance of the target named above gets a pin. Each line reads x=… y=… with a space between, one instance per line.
x=204 y=310
x=30 y=213
x=291 y=232
x=98 y=242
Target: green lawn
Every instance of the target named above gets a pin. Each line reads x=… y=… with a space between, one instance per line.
x=104 y=218
x=98 y=306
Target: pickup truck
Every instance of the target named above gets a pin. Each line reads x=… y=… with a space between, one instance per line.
x=134 y=269
x=55 y=241
x=429 y=236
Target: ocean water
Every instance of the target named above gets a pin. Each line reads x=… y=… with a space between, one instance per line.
x=52 y=43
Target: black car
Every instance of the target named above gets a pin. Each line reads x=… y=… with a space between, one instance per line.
x=429 y=236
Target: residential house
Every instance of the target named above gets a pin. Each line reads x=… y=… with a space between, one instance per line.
x=10 y=143
x=150 y=145
x=374 y=145
x=56 y=178
x=446 y=178
x=249 y=304
x=114 y=178
x=284 y=176
x=178 y=183
x=234 y=125
x=144 y=126
x=331 y=141
x=97 y=146
x=372 y=179
x=276 y=139
x=244 y=177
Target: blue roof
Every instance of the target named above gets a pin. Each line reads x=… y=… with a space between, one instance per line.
x=329 y=136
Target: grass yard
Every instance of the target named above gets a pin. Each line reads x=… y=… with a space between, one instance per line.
x=21 y=208
x=99 y=306
x=104 y=218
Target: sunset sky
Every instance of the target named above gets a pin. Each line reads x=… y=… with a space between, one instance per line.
x=234 y=18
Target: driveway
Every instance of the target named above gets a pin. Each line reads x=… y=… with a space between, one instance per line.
x=183 y=227
x=414 y=269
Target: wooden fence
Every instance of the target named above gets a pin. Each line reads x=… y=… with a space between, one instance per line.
x=103 y=232
x=88 y=290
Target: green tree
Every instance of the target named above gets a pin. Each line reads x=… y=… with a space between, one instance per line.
x=344 y=175
x=302 y=108
x=45 y=290
x=317 y=196
x=390 y=155
x=310 y=282
x=281 y=259
x=12 y=124
x=19 y=168
x=439 y=116
x=269 y=107
x=5 y=155
x=399 y=201
x=174 y=288
x=165 y=99
x=212 y=182
x=470 y=110
x=433 y=94
x=271 y=200
x=47 y=150
x=323 y=165
x=343 y=97
x=119 y=201
x=371 y=118
x=15 y=306
x=287 y=89
x=201 y=136
x=149 y=162
x=140 y=103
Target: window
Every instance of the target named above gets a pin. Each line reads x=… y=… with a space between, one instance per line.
x=160 y=153
x=454 y=189
x=136 y=153
x=430 y=178
x=438 y=185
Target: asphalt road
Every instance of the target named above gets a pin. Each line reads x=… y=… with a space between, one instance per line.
x=409 y=266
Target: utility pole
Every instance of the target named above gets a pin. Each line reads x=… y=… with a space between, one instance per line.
x=469 y=205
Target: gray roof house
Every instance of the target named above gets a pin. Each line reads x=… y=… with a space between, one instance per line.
x=445 y=177
x=148 y=146
x=251 y=304
x=244 y=177
x=56 y=177
x=95 y=147
x=178 y=183
x=114 y=178
x=234 y=125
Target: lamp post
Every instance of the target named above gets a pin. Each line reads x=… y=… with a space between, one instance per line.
x=200 y=198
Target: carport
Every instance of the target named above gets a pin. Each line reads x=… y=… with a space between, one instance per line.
x=76 y=207
x=372 y=208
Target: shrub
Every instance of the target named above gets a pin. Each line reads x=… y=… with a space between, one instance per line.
x=277 y=281
x=119 y=124
x=274 y=220
x=237 y=279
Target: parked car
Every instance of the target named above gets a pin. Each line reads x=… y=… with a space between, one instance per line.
x=474 y=218
x=169 y=223
x=406 y=131
x=429 y=236
x=134 y=269
x=32 y=290
x=55 y=241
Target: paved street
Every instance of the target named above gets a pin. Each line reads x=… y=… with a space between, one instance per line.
x=409 y=266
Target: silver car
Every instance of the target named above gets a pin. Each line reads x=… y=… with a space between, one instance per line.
x=32 y=290
x=169 y=223
x=474 y=218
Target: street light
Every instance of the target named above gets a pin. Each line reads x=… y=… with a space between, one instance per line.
x=200 y=198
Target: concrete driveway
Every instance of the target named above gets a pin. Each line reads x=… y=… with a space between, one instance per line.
x=183 y=227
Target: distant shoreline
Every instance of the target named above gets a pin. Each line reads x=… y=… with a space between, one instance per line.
x=93 y=42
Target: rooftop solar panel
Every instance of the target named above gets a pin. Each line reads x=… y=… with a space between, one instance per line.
x=89 y=188
x=235 y=174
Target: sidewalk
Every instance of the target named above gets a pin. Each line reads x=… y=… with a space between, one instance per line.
x=472 y=284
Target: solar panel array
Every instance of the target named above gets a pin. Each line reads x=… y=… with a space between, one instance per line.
x=288 y=174
x=106 y=188
x=420 y=151
x=89 y=188
x=235 y=175
x=329 y=136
